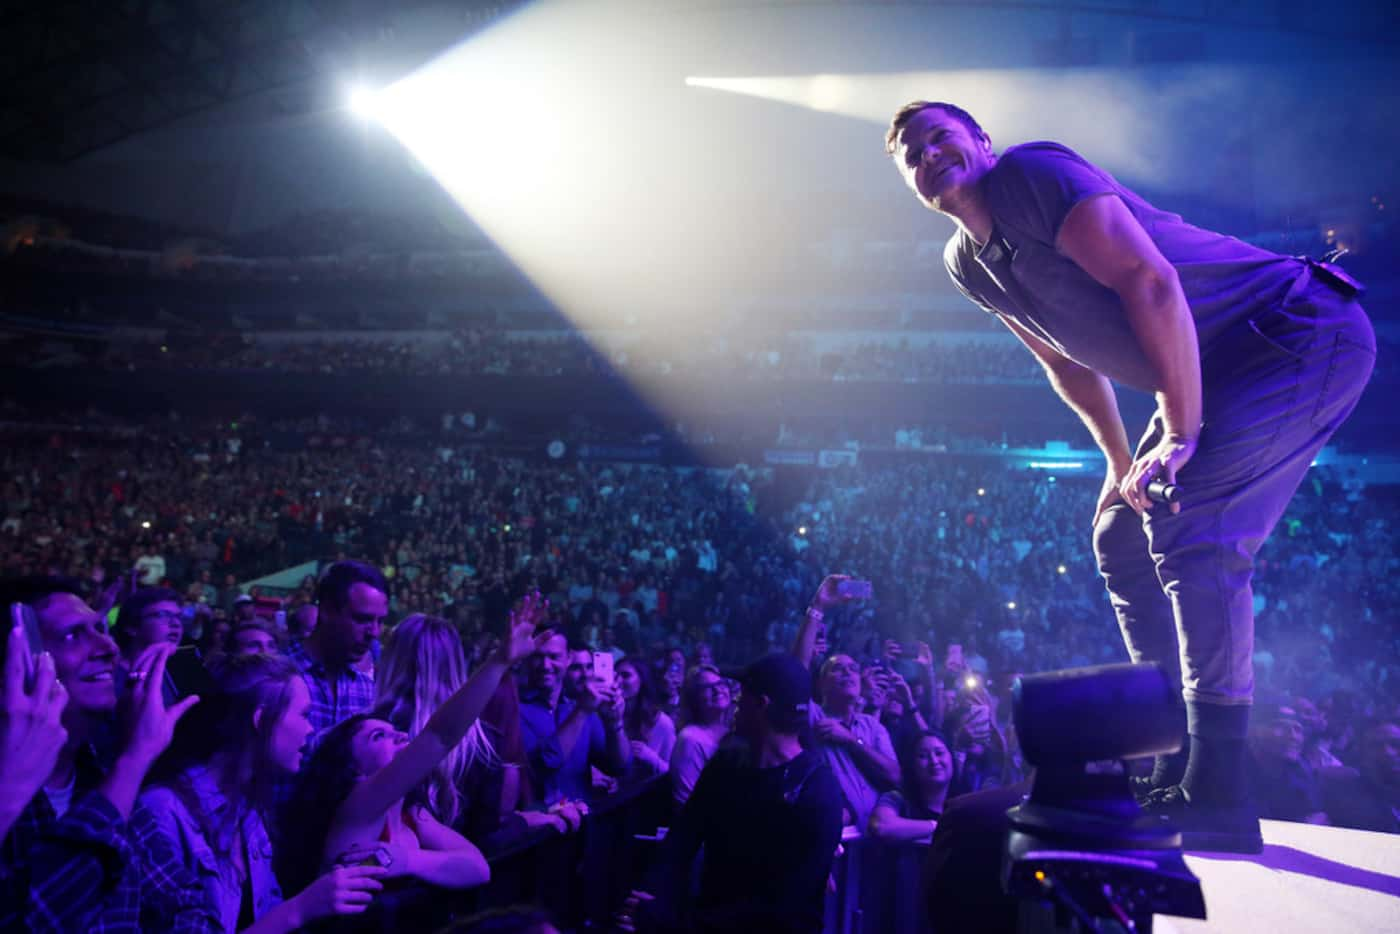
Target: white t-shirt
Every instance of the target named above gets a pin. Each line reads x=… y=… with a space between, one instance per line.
x=61 y=799
x=152 y=568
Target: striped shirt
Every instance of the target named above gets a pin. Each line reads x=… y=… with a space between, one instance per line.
x=334 y=697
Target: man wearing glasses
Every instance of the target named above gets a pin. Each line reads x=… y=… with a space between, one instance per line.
x=149 y=617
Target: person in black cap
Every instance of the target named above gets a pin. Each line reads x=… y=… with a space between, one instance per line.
x=768 y=814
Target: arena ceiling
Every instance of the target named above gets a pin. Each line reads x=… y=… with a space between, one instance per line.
x=79 y=75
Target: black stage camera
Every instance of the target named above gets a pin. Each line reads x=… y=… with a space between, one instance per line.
x=1080 y=855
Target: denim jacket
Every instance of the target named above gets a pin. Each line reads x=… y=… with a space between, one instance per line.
x=222 y=883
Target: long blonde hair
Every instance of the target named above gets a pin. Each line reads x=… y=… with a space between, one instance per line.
x=422 y=666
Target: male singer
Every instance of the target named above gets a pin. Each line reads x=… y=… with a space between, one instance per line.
x=1255 y=359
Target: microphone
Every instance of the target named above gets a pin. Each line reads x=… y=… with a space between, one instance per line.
x=1160 y=491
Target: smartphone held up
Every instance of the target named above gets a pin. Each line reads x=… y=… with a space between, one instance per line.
x=852 y=589
x=22 y=618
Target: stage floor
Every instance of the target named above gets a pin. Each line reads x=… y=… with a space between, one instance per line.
x=1308 y=879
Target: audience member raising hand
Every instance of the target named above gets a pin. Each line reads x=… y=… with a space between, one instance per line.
x=350 y=799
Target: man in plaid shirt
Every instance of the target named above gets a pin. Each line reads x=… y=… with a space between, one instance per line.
x=82 y=855
x=352 y=602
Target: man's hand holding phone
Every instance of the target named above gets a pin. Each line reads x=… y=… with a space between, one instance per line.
x=838 y=589
x=31 y=727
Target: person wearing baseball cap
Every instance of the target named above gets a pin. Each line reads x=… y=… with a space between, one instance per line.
x=768 y=814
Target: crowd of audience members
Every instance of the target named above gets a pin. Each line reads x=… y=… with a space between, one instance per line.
x=528 y=639
x=477 y=352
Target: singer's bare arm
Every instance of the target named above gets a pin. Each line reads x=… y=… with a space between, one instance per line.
x=1103 y=237
x=1089 y=394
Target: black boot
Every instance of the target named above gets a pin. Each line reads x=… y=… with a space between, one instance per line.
x=1212 y=807
x=1167 y=770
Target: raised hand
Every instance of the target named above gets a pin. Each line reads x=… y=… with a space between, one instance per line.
x=899 y=689
x=592 y=695
x=828 y=594
x=151 y=724
x=611 y=706
x=520 y=641
x=977 y=727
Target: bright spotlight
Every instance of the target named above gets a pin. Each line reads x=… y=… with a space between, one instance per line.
x=364 y=103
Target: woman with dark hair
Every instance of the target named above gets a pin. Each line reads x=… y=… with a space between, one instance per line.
x=653 y=734
x=211 y=792
x=706 y=708
x=352 y=801
x=912 y=812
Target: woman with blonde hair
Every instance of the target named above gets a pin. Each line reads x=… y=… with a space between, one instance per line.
x=422 y=666
x=424 y=663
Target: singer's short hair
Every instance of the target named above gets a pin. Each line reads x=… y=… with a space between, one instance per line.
x=913 y=108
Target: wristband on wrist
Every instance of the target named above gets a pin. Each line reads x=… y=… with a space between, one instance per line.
x=815 y=615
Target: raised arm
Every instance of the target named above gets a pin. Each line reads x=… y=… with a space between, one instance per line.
x=371 y=799
x=813 y=624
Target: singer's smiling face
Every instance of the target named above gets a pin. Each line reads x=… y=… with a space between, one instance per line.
x=939 y=155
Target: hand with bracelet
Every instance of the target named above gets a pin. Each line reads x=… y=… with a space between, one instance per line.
x=829 y=595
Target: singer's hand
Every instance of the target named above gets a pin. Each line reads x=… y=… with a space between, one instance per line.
x=1162 y=462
